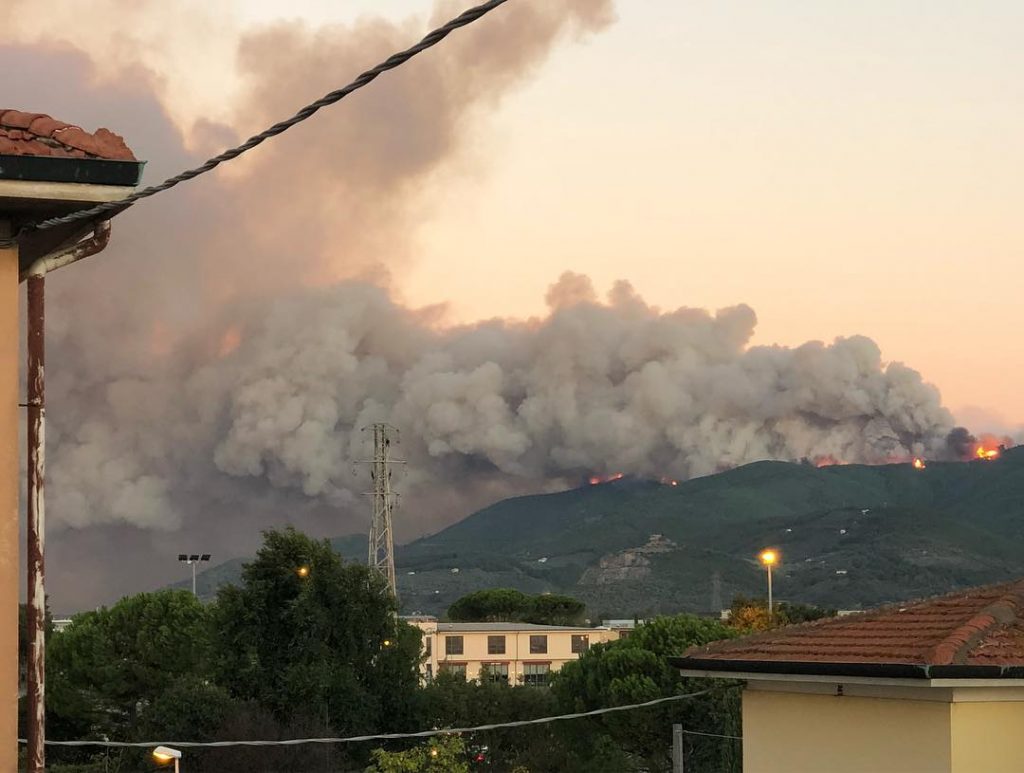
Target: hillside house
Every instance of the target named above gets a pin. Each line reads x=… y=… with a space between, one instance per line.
x=934 y=685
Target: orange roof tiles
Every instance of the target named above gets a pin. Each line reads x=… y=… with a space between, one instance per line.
x=36 y=134
x=979 y=627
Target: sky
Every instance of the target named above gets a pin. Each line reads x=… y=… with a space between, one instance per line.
x=841 y=168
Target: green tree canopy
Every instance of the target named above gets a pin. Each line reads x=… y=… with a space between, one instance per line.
x=441 y=754
x=306 y=635
x=635 y=670
x=507 y=605
x=107 y=667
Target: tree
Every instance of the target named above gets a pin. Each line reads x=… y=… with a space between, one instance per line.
x=507 y=605
x=107 y=667
x=555 y=609
x=308 y=636
x=635 y=670
x=749 y=614
x=451 y=701
x=442 y=754
x=494 y=605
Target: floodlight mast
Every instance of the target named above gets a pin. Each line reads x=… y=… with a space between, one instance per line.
x=192 y=559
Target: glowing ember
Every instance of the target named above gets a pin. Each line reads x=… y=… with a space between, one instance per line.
x=827 y=461
x=988 y=454
x=668 y=482
x=594 y=480
x=919 y=463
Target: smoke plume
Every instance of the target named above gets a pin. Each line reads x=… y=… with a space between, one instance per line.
x=211 y=373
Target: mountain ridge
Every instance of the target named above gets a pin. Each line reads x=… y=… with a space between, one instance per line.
x=850 y=535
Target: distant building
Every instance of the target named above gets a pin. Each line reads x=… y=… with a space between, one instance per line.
x=934 y=685
x=513 y=653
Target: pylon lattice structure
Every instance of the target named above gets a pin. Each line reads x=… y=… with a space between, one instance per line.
x=382 y=544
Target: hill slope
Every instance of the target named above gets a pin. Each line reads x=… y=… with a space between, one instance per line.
x=850 y=536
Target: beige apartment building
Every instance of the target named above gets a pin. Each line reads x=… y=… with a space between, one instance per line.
x=513 y=653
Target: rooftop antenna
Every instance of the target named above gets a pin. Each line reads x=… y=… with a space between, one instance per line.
x=382 y=545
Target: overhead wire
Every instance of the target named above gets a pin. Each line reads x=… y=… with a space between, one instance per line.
x=395 y=60
x=401 y=736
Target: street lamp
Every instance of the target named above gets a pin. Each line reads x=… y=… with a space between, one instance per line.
x=303 y=572
x=164 y=754
x=769 y=558
x=192 y=559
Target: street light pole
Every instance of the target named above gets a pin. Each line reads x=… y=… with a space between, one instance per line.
x=769 y=557
x=192 y=559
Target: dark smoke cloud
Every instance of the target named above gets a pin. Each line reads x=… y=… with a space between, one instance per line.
x=135 y=388
x=211 y=373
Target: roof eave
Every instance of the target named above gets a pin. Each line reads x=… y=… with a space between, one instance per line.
x=63 y=169
x=871 y=670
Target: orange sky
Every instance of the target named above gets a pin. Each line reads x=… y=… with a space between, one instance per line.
x=841 y=167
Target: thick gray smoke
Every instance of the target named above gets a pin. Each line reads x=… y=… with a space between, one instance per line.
x=210 y=374
x=594 y=387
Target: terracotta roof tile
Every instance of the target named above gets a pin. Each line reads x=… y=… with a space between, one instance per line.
x=36 y=134
x=981 y=626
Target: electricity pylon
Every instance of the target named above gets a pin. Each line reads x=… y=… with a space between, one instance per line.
x=382 y=545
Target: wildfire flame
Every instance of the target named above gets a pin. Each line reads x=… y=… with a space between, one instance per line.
x=988 y=454
x=668 y=482
x=919 y=463
x=827 y=461
x=595 y=480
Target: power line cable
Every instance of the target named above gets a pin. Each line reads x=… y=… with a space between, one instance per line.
x=400 y=736
x=395 y=60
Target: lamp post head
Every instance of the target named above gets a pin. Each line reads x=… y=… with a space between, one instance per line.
x=769 y=557
x=302 y=571
x=166 y=754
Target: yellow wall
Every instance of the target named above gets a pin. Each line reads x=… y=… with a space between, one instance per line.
x=517 y=648
x=805 y=733
x=988 y=737
x=8 y=502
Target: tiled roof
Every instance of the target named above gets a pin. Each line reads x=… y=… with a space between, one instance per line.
x=979 y=627
x=36 y=134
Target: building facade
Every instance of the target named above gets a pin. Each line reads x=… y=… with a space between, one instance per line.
x=511 y=653
x=935 y=686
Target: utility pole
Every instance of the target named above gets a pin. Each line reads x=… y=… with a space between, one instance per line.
x=716 y=594
x=382 y=545
x=677 y=749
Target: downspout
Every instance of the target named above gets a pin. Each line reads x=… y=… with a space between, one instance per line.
x=36 y=527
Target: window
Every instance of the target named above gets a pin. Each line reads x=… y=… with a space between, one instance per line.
x=580 y=643
x=452 y=645
x=495 y=645
x=494 y=673
x=624 y=634
x=539 y=645
x=458 y=669
x=428 y=672
x=428 y=642
x=536 y=674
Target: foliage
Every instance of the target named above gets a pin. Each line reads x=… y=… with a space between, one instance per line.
x=323 y=643
x=507 y=605
x=751 y=614
x=110 y=665
x=442 y=754
x=450 y=701
x=636 y=670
